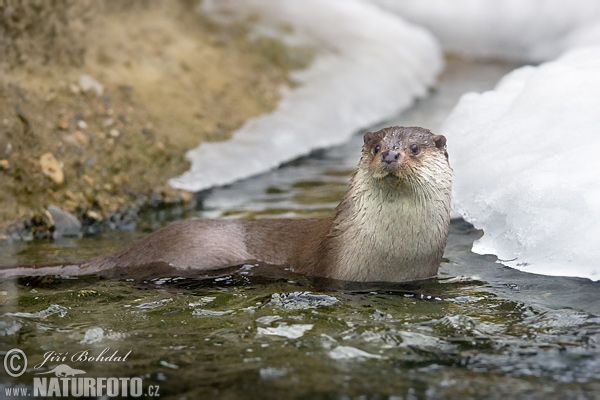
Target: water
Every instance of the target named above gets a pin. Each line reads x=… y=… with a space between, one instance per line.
x=480 y=330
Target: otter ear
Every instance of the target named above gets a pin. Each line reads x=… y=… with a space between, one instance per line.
x=440 y=141
x=371 y=137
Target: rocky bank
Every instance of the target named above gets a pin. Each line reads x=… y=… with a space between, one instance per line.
x=100 y=100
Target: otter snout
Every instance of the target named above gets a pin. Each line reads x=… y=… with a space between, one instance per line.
x=390 y=156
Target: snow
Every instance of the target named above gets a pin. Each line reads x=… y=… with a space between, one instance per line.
x=371 y=64
x=527 y=169
x=527 y=30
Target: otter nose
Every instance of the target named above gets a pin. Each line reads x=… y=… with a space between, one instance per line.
x=390 y=156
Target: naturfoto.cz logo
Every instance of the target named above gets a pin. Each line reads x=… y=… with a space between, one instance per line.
x=65 y=381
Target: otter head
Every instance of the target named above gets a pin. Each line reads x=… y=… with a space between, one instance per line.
x=393 y=223
x=404 y=155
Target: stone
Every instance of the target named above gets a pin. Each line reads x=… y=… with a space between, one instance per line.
x=65 y=224
x=73 y=88
x=52 y=168
x=42 y=224
x=93 y=215
x=81 y=138
x=108 y=123
x=87 y=83
x=63 y=123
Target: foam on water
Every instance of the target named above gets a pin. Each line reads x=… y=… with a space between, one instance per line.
x=371 y=64
x=53 y=309
x=526 y=164
x=301 y=300
x=98 y=335
x=351 y=353
x=293 y=331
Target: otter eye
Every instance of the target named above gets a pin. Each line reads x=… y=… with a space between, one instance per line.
x=376 y=149
x=414 y=148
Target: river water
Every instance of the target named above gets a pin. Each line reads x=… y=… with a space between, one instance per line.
x=481 y=330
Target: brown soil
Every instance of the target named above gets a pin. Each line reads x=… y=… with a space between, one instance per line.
x=169 y=78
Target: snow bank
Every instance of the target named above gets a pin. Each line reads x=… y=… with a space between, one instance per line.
x=530 y=30
x=372 y=65
x=527 y=166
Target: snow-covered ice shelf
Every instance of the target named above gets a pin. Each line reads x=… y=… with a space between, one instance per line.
x=372 y=65
x=524 y=30
x=527 y=166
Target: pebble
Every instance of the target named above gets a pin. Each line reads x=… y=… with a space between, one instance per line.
x=65 y=224
x=4 y=164
x=49 y=97
x=93 y=215
x=88 y=180
x=42 y=223
x=114 y=133
x=51 y=168
x=82 y=124
x=108 y=122
x=63 y=123
x=71 y=140
x=74 y=88
x=81 y=138
x=87 y=83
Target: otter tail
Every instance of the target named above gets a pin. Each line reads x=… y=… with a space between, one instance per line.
x=43 y=269
x=99 y=266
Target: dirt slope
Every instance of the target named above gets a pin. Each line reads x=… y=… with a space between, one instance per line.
x=100 y=100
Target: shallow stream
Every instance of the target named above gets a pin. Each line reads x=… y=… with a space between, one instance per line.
x=481 y=330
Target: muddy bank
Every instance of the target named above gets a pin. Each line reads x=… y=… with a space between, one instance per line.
x=99 y=102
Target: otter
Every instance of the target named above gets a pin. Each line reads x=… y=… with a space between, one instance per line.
x=391 y=225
